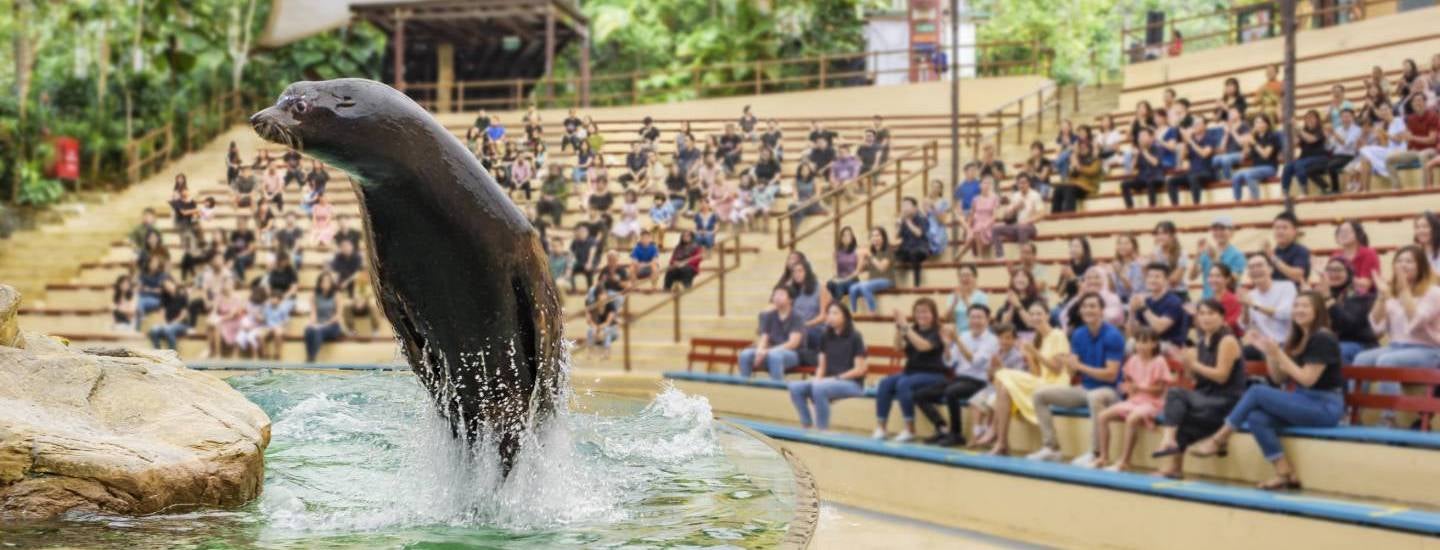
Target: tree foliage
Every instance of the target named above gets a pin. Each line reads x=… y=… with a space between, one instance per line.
x=105 y=71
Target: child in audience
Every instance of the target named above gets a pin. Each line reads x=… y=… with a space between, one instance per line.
x=602 y=322
x=629 y=225
x=252 y=326
x=1147 y=377
x=662 y=212
x=646 y=260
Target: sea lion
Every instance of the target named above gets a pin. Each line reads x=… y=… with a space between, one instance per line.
x=457 y=268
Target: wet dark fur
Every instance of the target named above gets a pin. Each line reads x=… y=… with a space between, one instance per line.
x=458 y=270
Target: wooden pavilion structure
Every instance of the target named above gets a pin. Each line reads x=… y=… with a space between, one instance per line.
x=438 y=45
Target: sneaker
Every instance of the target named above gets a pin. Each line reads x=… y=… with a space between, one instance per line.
x=904 y=437
x=950 y=440
x=936 y=439
x=1086 y=460
x=879 y=434
x=1045 y=454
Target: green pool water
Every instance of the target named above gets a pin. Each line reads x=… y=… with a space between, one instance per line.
x=361 y=461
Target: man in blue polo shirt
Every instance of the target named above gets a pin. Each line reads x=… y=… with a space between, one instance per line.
x=1097 y=348
x=1230 y=256
x=969 y=188
x=1159 y=308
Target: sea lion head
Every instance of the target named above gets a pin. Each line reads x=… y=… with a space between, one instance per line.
x=349 y=122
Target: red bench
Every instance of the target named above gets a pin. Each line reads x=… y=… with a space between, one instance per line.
x=1426 y=404
x=884 y=360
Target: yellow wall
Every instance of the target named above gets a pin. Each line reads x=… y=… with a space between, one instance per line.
x=1376 y=30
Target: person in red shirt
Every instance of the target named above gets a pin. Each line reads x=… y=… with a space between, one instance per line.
x=1422 y=134
x=1354 y=249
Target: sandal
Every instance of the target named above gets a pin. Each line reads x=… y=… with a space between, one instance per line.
x=1282 y=483
x=1208 y=449
x=1171 y=450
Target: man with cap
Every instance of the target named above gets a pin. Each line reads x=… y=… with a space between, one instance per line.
x=1206 y=255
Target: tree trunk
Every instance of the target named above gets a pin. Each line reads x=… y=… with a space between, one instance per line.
x=240 y=43
x=24 y=48
x=1287 y=101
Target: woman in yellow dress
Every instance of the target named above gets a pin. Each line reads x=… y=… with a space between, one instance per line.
x=1014 y=389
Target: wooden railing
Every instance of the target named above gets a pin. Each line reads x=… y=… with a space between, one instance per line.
x=820 y=72
x=928 y=157
x=145 y=155
x=1223 y=27
x=148 y=153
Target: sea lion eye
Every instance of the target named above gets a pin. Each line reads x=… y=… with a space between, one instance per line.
x=301 y=106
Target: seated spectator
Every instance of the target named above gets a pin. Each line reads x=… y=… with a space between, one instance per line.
x=914 y=247
x=684 y=262
x=677 y=186
x=1261 y=148
x=603 y=325
x=1215 y=364
x=1314 y=155
x=1015 y=389
x=174 y=302
x=1080 y=261
x=1169 y=252
x=1353 y=246
x=805 y=192
x=586 y=257
x=847 y=264
x=629 y=225
x=1407 y=311
x=1222 y=251
x=989 y=164
x=968 y=355
x=770 y=139
x=1349 y=311
x=1230 y=145
x=663 y=211
x=871 y=153
x=1342 y=142
x=326 y=322
x=1008 y=356
x=1289 y=258
x=636 y=165
x=1197 y=148
x=779 y=338
x=1023 y=293
x=123 y=306
x=1267 y=304
x=1388 y=135
x=1310 y=360
x=283 y=280
x=845 y=168
x=1039 y=168
x=226 y=319
x=1223 y=281
x=1017 y=220
x=252 y=326
x=1422 y=137
x=1148 y=174
x=966 y=295
x=968 y=189
x=706 y=223
x=241 y=250
x=574 y=133
x=152 y=282
x=1158 y=309
x=276 y=314
x=645 y=260
x=1127 y=269
x=1095 y=281
x=1427 y=236
x=839 y=370
x=561 y=261
x=729 y=152
x=979 y=225
x=553 y=193
x=1147 y=378
x=810 y=303
x=877 y=265
x=153 y=247
x=1097 y=348
x=924 y=366
x=287 y=239
x=1082 y=179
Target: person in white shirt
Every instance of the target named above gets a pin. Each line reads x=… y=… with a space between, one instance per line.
x=1344 y=143
x=1267 y=304
x=968 y=354
x=1389 y=132
x=1025 y=209
x=1007 y=357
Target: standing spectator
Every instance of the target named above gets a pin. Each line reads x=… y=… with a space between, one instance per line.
x=779 y=338
x=966 y=295
x=1097 y=349
x=839 y=372
x=1291 y=260
x=1219 y=372
x=1408 y=312
x=1148 y=175
x=1199 y=149
x=1222 y=251
x=187 y=212
x=1353 y=246
x=1159 y=309
x=1349 y=311
x=1267 y=304
x=326 y=323
x=1314 y=156
x=847 y=264
x=1147 y=378
x=1310 y=359
x=924 y=366
x=878 y=266
x=1019 y=217
x=684 y=262
x=1015 y=389
x=914 y=247
x=1262 y=148
x=968 y=354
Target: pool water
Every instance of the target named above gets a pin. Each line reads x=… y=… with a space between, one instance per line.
x=362 y=461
